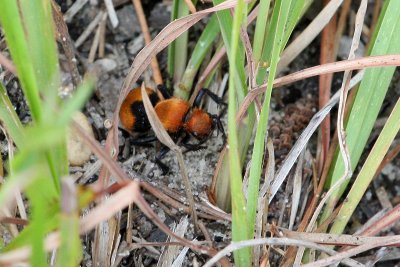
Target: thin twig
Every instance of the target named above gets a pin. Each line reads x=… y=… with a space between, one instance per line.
x=102 y=40
x=387 y=240
x=191 y=6
x=95 y=43
x=71 y=12
x=92 y=25
x=6 y=63
x=274 y=242
x=63 y=37
x=147 y=39
x=111 y=13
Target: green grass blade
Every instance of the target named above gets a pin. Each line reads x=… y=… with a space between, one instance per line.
x=260 y=30
x=10 y=117
x=226 y=23
x=246 y=129
x=70 y=252
x=18 y=45
x=76 y=102
x=41 y=195
x=42 y=47
x=177 y=50
x=295 y=9
x=368 y=170
x=201 y=49
x=70 y=248
x=281 y=13
x=239 y=223
x=369 y=98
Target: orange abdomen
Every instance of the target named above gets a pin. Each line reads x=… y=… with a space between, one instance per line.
x=171 y=113
x=132 y=113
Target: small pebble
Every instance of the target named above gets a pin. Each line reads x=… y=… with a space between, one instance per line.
x=78 y=152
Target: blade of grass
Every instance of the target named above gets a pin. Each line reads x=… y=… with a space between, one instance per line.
x=245 y=130
x=69 y=253
x=368 y=170
x=177 y=50
x=281 y=12
x=10 y=117
x=369 y=96
x=78 y=100
x=201 y=49
x=226 y=24
x=239 y=222
x=42 y=48
x=18 y=45
x=295 y=9
x=260 y=30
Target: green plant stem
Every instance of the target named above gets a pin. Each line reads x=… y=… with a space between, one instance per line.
x=201 y=49
x=239 y=223
x=260 y=30
x=281 y=10
x=295 y=9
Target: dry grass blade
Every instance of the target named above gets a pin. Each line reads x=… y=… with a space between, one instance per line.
x=96 y=40
x=147 y=39
x=164 y=138
x=156 y=124
x=277 y=242
x=95 y=147
x=343 y=95
x=331 y=239
x=7 y=64
x=296 y=189
x=76 y=6
x=371 y=221
x=206 y=211
x=191 y=6
x=65 y=40
x=325 y=83
x=85 y=34
x=111 y=13
x=387 y=241
x=262 y=206
x=170 y=253
x=390 y=218
x=356 y=64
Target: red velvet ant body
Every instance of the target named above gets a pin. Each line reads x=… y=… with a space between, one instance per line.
x=176 y=115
